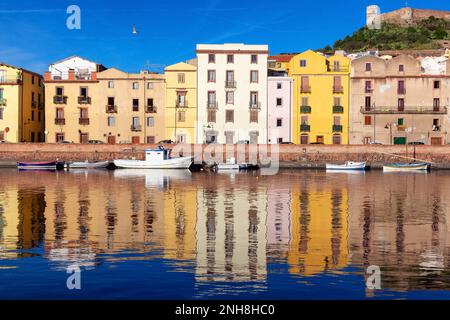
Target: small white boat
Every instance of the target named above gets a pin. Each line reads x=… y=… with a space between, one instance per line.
x=156 y=159
x=406 y=167
x=349 y=165
x=232 y=165
x=87 y=165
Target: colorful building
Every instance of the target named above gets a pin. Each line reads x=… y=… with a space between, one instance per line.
x=279 y=109
x=321 y=98
x=181 y=102
x=22 y=117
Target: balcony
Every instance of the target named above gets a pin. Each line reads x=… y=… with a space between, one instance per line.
x=368 y=90
x=255 y=105
x=212 y=105
x=230 y=84
x=3 y=102
x=60 y=121
x=305 y=89
x=34 y=104
x=111 y=109
x=338 y=89
x=150 y=109
x=136 y=127
x=84 y=100
x=338 y=109
x=41 y=105
x=305 y=128
x=404 y=110
x=10 y=80
x=83 y=121
x=181 y=104
x=305 y=109
x=60 y=99
x=337 y=128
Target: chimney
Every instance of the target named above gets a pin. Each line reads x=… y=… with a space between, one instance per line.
x=94 y=76
x=71 y=75
x=47 y=76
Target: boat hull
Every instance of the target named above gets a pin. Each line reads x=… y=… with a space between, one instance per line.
x=51 y=165
x=175 y=163
x=88 y=165
x=350 y=166
x=413 y=167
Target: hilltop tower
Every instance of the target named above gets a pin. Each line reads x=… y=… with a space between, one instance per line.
x=373 y=17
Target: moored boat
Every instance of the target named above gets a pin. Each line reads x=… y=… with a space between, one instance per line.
x=349 y=165
x=47 y=165
x=406 y=167
x=87 y=165
x=231 y=164
x=156 y=159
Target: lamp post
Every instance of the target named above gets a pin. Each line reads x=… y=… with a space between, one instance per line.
x=389 y=126
x=208 y=126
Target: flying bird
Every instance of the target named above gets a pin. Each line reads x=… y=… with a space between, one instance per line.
x=134 y=31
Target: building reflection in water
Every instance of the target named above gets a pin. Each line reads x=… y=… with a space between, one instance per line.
x=227 y=229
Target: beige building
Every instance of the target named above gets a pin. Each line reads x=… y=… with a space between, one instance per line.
x=87 y=102
x=21 y=105
x=399 y=100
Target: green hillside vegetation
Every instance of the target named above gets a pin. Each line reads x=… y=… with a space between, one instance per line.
x=423 y=35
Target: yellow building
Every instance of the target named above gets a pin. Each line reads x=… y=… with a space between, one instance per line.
x=321 y=98
x=21 y=105
x=181 y=102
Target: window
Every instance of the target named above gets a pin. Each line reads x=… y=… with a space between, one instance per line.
x=401 y=87
x=368 y=120
x=304 y=139
x=150 y=121
x=84 y=113
x=254 y=102
x=303 y=63
x=254 y=76
x=337 y=84
x=279 y=102
x=135 y=104
x=368 y=87
x=230 y=58
x=1 y=93
x=111 y=121
x=279 y=122
x=279 y=85
x=181 y=78
x=181 y=99
x=2 y=135
x=39 y=116
x=280 y=140
x=400 y=121
x=230 y=97
x=230 y=83
x=32 y=115
x=229 y=116
x=211 y=75
x=59 y=113
x=110 y=84
x=1 y=113
x=368 y=103
x=304 y=120
x=401 y=68
x=337 y=101
x=149 y=87
x=135 y=85
x=436 y=104
x=401 y=104
x=336 y=66
x=110 y=101
x=337 y=120
x=254 y=116
x=32 y=80
x=254 y=137
x=40 y=84
x=211 y=99
x=436 y=84
x=151 y=139
x=254 y=58
x=211 y=58
x=304 y=101
x=150 y=102
x=59 y=91
x=83 y=92
x=211 y=115
x=181 y=116
x=336 y=139
x=368 y=66
x=304 y=86
x=229 y=137
x=59 y=137
x=135 y=122
x=84 y=137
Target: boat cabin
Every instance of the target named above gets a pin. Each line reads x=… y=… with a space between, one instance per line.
x=157 y=155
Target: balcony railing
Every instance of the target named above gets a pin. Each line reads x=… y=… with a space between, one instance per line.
x=150 y=109
x=84 y=100
x=337 y=128
x=212 y=105
x=338 y=109
x=255 y=105
x=83 y=121
x=230 y=84
x=3 y=102
x=60 y=121
x=338 y=89
x=305 y=89
x=60 y=99
x=10 y=80
x=305 y=109
x=111 y=109
x=305 y=128
x=181 y=104
x=409 y=109
x=41 y=105
x=368 y=90
x=401 y=90
x=136 y=127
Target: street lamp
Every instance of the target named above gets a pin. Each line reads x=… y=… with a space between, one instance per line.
x=389 y=126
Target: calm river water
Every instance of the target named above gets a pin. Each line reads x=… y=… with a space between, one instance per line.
x=182 y=235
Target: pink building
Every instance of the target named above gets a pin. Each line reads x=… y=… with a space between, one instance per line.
x=279 y=108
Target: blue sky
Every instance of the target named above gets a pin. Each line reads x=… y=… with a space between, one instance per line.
x=34 y=33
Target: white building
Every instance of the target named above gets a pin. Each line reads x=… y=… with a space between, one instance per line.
x=279 y=106
x=81 y=68
x=232 y=93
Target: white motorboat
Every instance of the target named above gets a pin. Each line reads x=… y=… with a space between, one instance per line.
x=156 y=159
x=87 y=165
x=349 y=165
x=232 y=165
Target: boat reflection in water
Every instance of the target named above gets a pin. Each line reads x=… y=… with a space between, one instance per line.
x=177 y=234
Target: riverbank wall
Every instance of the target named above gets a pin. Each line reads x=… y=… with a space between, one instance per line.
x=284 y=156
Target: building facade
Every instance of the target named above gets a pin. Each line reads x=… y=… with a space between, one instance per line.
x=279 y=108
x=181 y=102
x=321 y=98
x=232 y=93
x=86 y=101
x=396 y=101
x=22 y=116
